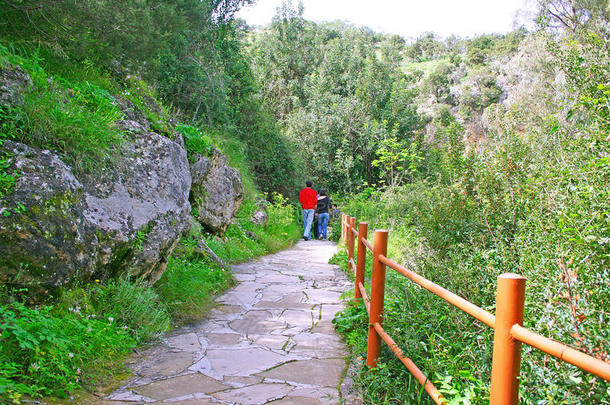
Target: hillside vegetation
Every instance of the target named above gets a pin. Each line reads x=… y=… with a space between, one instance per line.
x=177 y=66
x=481 y=156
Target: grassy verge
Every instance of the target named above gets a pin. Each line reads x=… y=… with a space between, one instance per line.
x=77 y=342
x=434 y=343
x=75 y=118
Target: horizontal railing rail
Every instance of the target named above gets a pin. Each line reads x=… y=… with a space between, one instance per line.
x=506 y=323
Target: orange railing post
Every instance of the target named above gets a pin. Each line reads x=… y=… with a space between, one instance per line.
x=510 y=298
x=380 y=247
x=361 y=258
x=350 y=238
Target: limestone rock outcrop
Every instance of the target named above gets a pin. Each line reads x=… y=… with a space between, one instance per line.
x=13 y=83
x=58 y=224
x=259 y=218
x=217 y=191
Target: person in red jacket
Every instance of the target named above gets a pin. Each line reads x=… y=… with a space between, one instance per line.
x=308 y=199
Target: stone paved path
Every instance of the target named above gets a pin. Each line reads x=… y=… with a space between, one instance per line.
x=269 y=340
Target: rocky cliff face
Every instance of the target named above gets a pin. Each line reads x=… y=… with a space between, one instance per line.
x=217 y=191
x=57 y=225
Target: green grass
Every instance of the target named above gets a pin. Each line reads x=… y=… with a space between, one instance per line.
x=55 y=349
x=8 y=177
x=196 y=142
x=134 y=305
x=76 y=118
x=191 y=280
x=235 y=151
x=435 y=344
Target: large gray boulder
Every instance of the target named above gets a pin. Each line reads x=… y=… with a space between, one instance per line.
x=216 y=192
x=58 y=225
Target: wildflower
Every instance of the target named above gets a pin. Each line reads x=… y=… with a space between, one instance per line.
x=70 y=355
x=110 y=319
x=89 y=329
x=34 y=366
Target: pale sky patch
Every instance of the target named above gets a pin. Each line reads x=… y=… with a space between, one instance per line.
x=408 y=18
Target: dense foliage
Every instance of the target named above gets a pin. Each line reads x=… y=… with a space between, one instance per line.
x=85 y=59
x=191 y=53
x=523 y=188
x=356 y=105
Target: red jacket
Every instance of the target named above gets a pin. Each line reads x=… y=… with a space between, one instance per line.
x=308 y=198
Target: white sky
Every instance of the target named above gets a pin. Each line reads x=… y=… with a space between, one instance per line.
x=408 y=18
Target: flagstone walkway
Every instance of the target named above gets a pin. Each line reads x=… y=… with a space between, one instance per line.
x=269 y=340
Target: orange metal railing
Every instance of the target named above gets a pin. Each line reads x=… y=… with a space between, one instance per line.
x=507 y=323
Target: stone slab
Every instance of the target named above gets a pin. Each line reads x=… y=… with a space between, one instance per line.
x=163 y=364
x=188 y=342
x=255 y=394
x=296 y=401
x=224 y=339
x=257 y=323
x=244 y=362
x=180 y=386
x=323 y=373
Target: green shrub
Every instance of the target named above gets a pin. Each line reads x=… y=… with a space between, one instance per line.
x=196 y=142
x=49 y=351
x=519 y=209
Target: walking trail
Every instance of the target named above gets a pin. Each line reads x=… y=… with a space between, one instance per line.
x=269 y=340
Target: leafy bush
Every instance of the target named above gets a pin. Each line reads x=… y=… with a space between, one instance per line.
x=47 y=351
x=195 y=140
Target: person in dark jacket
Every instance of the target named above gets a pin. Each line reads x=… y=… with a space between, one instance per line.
x=323 y=209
